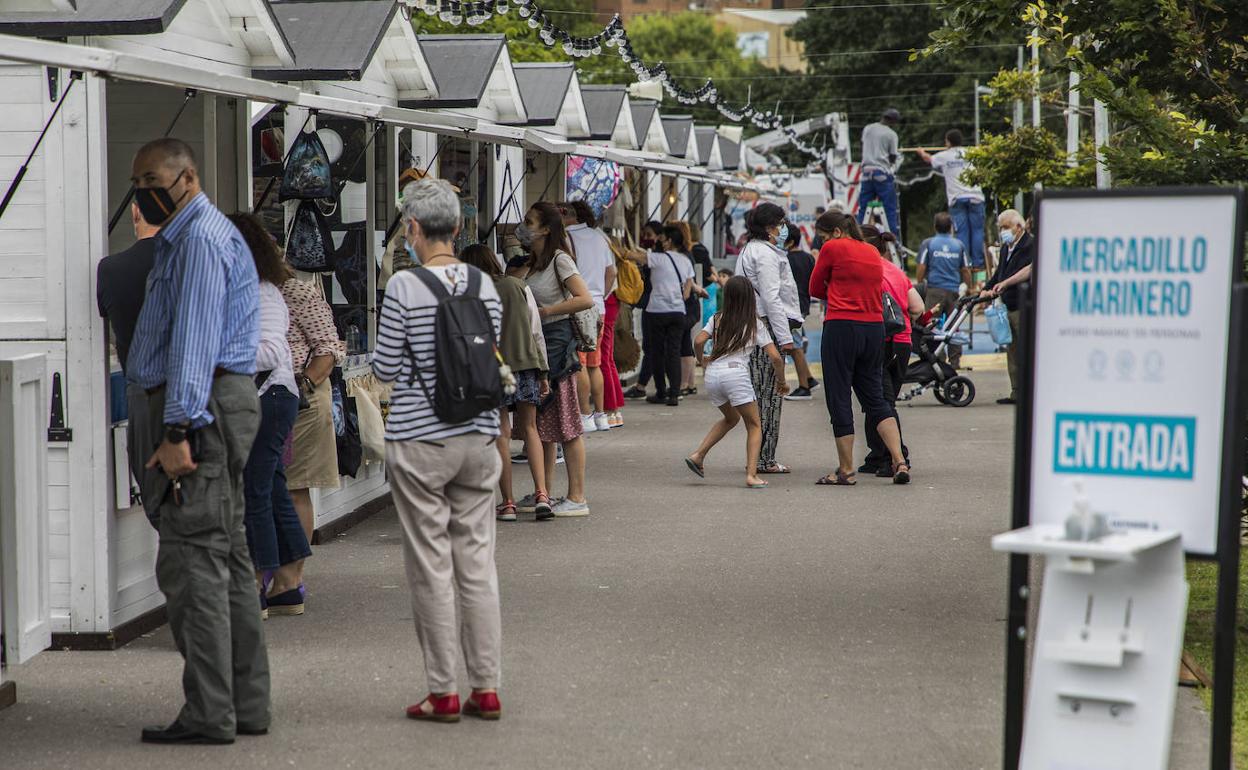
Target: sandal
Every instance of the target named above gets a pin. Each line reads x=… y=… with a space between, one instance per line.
x=698 y=469
x=776 y=468
x=901 y=473
x=841 y=479
x=506 y=511
x=762 y=485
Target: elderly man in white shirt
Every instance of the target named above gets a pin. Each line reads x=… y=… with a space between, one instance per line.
x=766 y=267
x=596 y=262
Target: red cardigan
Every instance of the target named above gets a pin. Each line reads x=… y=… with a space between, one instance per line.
x=849 y=275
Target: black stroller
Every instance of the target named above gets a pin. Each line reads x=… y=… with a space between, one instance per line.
x=928 y=371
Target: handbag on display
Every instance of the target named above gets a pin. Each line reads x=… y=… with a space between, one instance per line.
x=350 y=448
x=999 y=323
x=306 y=175
x=309 y=245
x=894 y=321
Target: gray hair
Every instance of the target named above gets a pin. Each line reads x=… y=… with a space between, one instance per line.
x=1010 y=217
x=435 y=207
x=173 y=153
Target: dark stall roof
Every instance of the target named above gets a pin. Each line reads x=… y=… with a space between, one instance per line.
x=730 y=151
x=330 y=40
x=461 y=67
x=706 y=140
x=95 y=17
x=602 y=107
x=643 y=113
x=543 y=87
x=677 y=128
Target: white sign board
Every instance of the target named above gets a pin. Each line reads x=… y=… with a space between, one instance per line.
x=1133 y=302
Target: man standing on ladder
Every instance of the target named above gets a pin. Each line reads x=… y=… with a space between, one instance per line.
x=880 y=158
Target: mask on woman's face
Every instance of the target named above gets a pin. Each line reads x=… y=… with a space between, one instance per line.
x=1007 y=236
x=647 y=243
x=524 y=235
x=782 y=237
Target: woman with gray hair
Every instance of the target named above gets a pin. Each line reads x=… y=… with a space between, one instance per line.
x=442 y=475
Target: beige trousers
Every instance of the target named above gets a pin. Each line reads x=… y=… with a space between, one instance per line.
x=444 y=493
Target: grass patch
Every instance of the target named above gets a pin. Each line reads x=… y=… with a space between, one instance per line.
x=1202 y=579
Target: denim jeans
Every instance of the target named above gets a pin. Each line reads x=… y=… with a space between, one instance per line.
x=879 y=184
x=968 y=227
x=274 y=533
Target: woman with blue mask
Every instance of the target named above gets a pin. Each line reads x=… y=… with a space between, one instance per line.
x=765 y=265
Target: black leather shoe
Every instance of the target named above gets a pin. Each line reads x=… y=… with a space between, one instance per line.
x=247 y=730
x=1006 y=401
x=177 y=733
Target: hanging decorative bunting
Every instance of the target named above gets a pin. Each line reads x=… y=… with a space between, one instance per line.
x=613 y=35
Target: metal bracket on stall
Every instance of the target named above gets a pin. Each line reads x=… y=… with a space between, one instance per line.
x=57 y=432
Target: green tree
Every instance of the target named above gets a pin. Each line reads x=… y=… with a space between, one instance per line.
x=693 y=46
x=933 y=93
x=1173 y=75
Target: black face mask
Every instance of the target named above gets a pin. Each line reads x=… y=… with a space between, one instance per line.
x=156 y=204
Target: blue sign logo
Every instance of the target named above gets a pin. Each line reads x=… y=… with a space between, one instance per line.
x=1150 y=446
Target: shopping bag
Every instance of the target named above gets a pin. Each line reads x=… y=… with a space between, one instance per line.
x=999 y=324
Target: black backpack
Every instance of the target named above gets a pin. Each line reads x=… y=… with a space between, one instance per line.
x=468 y=378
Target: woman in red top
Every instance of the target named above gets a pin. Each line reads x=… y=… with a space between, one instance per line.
x=849 y=274
x=896 y=350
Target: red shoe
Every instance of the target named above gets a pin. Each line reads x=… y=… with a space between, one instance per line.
x=436 y=708
x=483 y=705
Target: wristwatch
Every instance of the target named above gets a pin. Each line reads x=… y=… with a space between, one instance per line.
x=176 y=434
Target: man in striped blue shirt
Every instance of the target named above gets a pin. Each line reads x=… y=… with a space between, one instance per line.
x=192 y=360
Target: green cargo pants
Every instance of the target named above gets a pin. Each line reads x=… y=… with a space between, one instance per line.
x=203 y=566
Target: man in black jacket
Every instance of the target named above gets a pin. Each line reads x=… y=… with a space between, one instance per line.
x=1018 y=249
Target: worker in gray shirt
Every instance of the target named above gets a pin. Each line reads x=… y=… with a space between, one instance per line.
x=880 y=159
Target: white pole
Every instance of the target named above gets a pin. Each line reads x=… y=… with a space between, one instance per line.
x=1018 y=122
x=1100 y=122
x=1072 y=120
x=1018 y=103
x=976 y=112
x=1035 y=96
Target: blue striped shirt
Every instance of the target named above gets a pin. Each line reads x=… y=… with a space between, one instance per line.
x=201 y=312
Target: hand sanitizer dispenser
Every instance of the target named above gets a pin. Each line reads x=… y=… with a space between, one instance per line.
x=1107 y=643
x=1082 y=524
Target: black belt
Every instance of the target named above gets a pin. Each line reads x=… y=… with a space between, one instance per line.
x=218 y=372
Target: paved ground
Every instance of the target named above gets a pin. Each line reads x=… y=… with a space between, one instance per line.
x=686 y=623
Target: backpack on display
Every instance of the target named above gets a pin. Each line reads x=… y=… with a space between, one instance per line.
x=309 y=246
x=306 y=175
x=894 y=321
x=468 y=381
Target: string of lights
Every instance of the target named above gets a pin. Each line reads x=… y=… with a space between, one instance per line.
x=613 y=35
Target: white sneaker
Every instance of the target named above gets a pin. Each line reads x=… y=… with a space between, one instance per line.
x=527 y=504
x=566 y=508
x=601 y=422
x=587 y=424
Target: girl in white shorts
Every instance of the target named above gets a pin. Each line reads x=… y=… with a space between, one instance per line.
x=736 y=332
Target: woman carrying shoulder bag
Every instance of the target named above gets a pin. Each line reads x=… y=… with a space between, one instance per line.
x=315 y=350
x=560 y=292
x=671 y=278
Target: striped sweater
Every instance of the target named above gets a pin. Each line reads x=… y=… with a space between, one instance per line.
x=407 y=322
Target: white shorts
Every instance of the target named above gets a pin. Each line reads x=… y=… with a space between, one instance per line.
x=729 y=384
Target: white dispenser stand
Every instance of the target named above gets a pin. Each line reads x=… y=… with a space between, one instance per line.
x=1101 y=691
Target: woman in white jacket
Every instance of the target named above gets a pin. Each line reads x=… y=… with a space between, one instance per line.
x=767 y=269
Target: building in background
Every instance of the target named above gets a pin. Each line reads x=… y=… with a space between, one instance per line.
x=761 y=34
x=629 y=8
